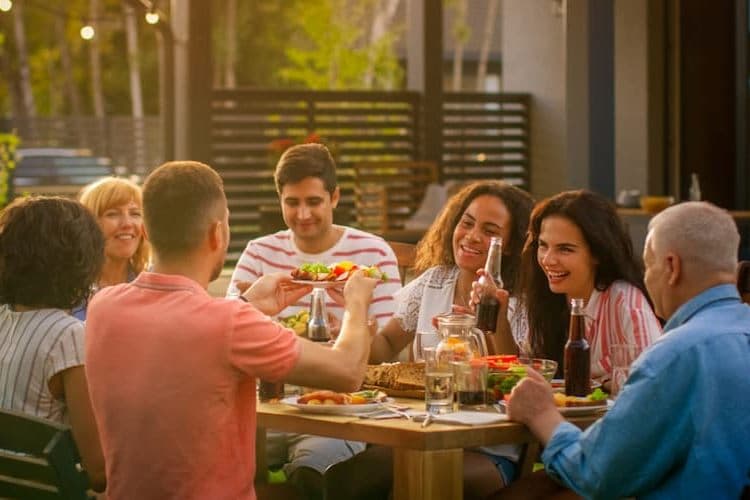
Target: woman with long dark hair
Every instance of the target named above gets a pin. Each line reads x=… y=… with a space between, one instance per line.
x=578 y=247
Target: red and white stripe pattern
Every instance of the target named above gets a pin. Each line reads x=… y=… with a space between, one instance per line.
x=278 y=253
x=620 y=314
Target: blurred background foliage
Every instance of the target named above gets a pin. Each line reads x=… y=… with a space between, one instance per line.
x=316 y=44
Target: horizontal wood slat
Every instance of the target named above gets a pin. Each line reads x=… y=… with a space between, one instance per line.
x=484 y=136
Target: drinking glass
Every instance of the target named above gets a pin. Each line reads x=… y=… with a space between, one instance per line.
x=621 y=356
x=423 y=340
x=270 y=391
x=438 y=384
x=471 y=384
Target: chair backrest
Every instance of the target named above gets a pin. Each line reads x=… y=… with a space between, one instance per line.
x=405 y=256
x=386 y=194
x=39 y=459
x=743 y=280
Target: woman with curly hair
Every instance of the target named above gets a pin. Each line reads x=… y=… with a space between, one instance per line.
x=578 y=247
x=51 y=250
x=448 y=257
x=117 y=205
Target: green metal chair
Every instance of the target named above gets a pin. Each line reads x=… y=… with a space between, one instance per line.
x=39 y=459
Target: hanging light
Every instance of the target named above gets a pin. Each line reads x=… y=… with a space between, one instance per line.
x=5 y=5
x=87 y=32
x=152 y=17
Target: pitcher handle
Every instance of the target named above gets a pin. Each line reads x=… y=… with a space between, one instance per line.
x=477 y=338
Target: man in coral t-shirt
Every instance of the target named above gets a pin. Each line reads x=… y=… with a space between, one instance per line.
x=172 y=370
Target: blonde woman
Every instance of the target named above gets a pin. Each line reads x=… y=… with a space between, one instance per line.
x=117 y=205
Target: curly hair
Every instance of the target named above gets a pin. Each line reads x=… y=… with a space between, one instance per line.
x=436 y=247
x=110 y=192
x=51 y=251
x=609 y=242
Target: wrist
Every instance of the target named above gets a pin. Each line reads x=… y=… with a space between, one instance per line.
x=544 y=423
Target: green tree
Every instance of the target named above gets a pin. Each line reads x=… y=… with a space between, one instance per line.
x=331 y=49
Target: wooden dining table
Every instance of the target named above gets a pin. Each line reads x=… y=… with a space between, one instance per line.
x=428 y=461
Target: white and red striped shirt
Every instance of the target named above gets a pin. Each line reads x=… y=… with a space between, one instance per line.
x=620 y=314
x=278 y=253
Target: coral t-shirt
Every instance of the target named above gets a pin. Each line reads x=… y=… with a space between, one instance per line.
x=172 y=373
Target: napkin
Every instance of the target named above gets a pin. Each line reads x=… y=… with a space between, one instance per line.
x=469 y=418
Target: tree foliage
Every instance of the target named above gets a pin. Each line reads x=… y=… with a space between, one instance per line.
x=316 y=44
x=330 y=50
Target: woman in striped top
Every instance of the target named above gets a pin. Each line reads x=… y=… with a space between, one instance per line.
x=51 y=250
x=578 y=247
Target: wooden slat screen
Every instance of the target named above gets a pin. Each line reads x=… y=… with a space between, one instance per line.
x=133 y=145
x=486 y=136
x=356 y=126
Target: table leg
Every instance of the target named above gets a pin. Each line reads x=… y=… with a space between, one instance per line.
x=261 y=462
x=428 y=475
x=528 y=458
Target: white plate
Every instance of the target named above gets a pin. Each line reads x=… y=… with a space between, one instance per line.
x=320 y=284
x=577 y=411
x=559 y=384
x=570 y=411
x=333 y=409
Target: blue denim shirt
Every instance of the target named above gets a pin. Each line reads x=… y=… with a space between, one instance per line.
x=680 y=428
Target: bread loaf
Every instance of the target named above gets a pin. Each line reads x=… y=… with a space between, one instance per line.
x=398 y=376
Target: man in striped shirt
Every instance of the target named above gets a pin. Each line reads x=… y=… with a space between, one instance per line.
x=306 y=182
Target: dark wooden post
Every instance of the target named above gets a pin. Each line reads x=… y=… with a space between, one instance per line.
x=199 y=80
x=432 y=100
x=191 y=24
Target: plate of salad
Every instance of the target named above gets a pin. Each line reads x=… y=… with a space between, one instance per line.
x=325 y=276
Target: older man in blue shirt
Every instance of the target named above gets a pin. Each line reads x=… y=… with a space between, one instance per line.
x=680 y=428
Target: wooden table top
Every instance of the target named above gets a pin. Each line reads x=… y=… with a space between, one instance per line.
x=398 y=432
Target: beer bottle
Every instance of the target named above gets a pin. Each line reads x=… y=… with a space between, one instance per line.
x=577 y=365
x=317 y=325
x=488 y=306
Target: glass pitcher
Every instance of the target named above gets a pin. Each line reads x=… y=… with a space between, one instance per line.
x=460 y=340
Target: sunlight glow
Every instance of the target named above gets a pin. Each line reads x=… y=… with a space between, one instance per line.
x=87 y=32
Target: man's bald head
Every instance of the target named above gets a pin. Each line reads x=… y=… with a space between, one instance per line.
x=703 y=235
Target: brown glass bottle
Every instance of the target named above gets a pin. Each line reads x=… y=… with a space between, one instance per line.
x=577 y=365
x=488 y=306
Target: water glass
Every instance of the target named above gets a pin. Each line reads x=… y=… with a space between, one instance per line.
x=621 y=356
x=423 y=340
x=471 y=384
x=438 y=384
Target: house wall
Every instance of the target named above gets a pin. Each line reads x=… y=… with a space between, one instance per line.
x=533 y=41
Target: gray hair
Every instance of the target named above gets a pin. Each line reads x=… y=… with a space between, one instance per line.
x=703 y=235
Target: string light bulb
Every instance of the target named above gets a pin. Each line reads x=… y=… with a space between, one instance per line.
x=5 y=5
x=87 y=32
x=152 y=17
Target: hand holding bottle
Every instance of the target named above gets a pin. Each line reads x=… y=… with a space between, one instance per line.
x=478 y=289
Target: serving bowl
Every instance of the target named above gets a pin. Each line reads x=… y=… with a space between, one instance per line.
x=654 y=204
x=504 y=372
